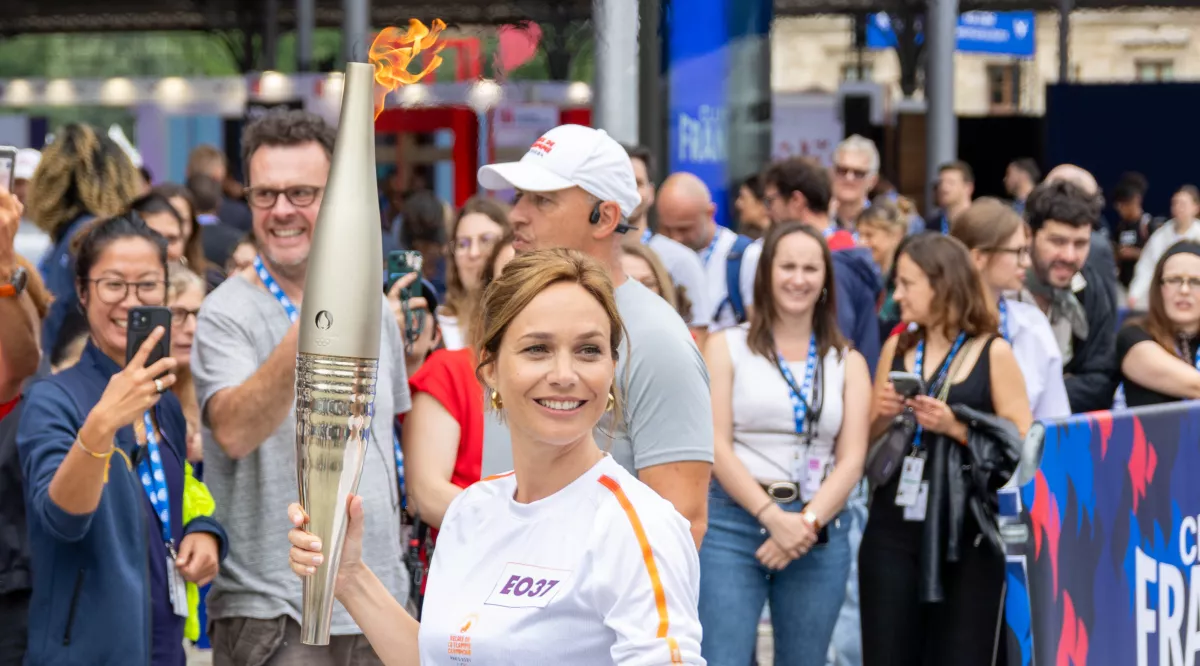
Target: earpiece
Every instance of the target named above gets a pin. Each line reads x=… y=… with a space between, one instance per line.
x=595 y=217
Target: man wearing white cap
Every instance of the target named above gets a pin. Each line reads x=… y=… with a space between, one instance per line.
x=30 y=242
x=576 y=190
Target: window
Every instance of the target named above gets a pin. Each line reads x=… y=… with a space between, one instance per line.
x=1004 y=88
x=1155 y=70
x=850 y=72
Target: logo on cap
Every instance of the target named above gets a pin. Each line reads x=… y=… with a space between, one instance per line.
x=542 y=146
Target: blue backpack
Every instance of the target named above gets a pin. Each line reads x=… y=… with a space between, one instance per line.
x=733 y=282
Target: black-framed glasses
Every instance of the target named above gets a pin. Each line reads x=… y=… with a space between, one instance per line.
x=111 y=291
x=179 y=315
x=1018 y=252
x=297 y=195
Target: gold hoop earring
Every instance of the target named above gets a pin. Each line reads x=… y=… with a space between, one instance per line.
x=497 y=402
x=612 y=402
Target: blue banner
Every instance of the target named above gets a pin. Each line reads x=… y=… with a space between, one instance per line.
x=697 y=69
x=997 y=33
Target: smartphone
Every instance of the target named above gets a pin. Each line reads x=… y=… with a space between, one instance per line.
x=140 y=323
x=8 y=164
x=399 y=264
x=907 y=384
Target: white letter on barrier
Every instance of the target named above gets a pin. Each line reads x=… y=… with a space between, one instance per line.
x=1193 y=635
x=1187 y=547
x=1145 y=572
x=1171 y=606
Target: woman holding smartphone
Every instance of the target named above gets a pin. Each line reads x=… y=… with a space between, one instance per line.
x=789 y=448
x=931 y=568
x=569 y=559
x=102 y=447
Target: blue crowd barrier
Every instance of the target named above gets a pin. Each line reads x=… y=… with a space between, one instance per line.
x=1103 y=561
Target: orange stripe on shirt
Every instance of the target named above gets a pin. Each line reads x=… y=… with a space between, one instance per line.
x=496 y=476
x=660 y=596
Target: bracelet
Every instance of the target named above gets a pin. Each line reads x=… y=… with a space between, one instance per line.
x=104 y=456
x=764 y=508
x=811 y=518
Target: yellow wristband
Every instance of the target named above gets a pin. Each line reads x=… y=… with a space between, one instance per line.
x=103 y=456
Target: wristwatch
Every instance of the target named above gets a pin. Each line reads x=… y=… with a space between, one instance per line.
x=811 y=518
x=16 y=284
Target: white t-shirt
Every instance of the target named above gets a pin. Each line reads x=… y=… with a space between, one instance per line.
x=563 y=580
x=686 y=270
x=714 y=271
x=452 y=334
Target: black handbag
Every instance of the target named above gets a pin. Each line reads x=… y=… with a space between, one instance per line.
x=888 y=452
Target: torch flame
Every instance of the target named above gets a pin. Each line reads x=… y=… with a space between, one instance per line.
x=393 y=50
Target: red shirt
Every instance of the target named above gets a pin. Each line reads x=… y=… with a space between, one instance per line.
x=840 y=240
x=6 y=407
x=449 y=376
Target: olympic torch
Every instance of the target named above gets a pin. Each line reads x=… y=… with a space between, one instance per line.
x=338 y=353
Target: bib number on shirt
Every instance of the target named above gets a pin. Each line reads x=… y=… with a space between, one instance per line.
x=527 y=586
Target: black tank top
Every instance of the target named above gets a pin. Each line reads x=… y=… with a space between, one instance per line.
x=974 y=391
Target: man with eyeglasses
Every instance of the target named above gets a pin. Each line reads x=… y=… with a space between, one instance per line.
x=1073 y=293
x=855 y=172
x=243 y=366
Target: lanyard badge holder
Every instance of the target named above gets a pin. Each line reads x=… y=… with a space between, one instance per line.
x=912 y=493
x=154 y=482
x=272 y=286
x=808 y=471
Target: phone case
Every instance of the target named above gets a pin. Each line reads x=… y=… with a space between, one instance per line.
x=140 y=322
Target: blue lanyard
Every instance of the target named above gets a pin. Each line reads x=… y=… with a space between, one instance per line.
x=800 y=400
x=945 y=225
x=1004 y=320
x=647 y=235
x=154 y=481
x=708 y=251
x=399 y=470
x=828 y=231
x=919 y=365
x=276 y=291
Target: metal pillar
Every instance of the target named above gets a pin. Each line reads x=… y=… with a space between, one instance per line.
x=616 y=92
x=306 y=23
x=270 y=33
x=941 y=125
x=1064 y=40
x=652 y=124
x=356 y=25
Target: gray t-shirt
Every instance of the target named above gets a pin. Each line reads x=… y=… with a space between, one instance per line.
x=664 y=385
x=239 y=325
x=687 y=271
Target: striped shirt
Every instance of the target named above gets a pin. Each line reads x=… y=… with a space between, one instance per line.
x=602 y=572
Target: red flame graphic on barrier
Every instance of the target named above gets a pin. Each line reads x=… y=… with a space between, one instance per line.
x=1142 y=462
x=1073 y=642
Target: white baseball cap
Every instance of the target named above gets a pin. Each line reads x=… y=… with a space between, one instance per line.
x=570 y=156
x=26 y=164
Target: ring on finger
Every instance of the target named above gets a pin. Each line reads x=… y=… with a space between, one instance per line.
x=158 y=385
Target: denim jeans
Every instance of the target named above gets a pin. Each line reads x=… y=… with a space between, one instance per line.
x=805 y=597
x=847 y=635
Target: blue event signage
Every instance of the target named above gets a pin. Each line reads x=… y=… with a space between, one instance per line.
x=997 y=33
x=698 y=68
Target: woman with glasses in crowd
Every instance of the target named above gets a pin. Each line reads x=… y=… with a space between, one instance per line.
x=481 y=222
x=931 y=565
x=103 y=448
x=999 y=245
x=1157 y=354
x=569 y=559
x=791 y=435
x=186 y=291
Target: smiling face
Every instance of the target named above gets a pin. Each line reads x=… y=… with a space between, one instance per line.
x=1181 y=290
x=184 y=308
x=797 y=274
x=284 y=230
x=127 y=273
x=554 y=367
x=1059 y=252
x=473 y=242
